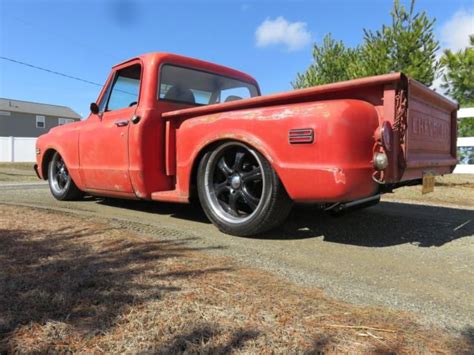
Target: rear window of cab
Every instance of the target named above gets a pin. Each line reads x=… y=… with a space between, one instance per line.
x=195 y=87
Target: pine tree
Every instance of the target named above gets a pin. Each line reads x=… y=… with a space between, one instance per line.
x=408 y=45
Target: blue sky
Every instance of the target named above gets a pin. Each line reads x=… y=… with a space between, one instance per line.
x=271 y=40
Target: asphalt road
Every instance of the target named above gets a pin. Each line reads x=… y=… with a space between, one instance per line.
x=404 y=256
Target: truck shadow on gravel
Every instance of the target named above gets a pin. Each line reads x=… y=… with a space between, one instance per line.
x=384 y=225
x=80 y=278
x=191 y=212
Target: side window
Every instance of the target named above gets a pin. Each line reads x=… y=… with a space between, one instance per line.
x=105 y=97
x=125 y=89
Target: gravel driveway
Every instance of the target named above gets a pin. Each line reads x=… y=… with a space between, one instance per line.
x=404 y=256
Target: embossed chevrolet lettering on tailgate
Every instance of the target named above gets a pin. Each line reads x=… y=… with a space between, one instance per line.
x=428 y=126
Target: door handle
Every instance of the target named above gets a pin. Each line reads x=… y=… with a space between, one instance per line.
x=121 y=123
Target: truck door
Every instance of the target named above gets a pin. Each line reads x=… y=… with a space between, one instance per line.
x=103 y=142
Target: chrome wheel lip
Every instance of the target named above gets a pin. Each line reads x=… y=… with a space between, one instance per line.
x=211 y=193
x=59 y=176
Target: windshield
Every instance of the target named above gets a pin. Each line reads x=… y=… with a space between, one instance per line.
x=196 y=87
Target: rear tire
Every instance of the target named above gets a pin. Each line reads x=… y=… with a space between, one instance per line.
x=240 y=192
x=60 y=182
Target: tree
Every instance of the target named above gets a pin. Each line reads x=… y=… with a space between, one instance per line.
x=407 y=45
x=458 y=81
x=466 y=127
x=333 y=61
x=458 y=74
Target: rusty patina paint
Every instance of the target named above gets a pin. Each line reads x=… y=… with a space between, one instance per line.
x=267 y=114
x=338 y=174
x=154 y=158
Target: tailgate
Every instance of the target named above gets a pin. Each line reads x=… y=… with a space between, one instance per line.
x=431 y=132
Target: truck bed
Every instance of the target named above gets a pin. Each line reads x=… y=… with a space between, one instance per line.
x=424 y=121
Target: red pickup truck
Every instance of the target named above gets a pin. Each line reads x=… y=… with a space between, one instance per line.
x=169 y=128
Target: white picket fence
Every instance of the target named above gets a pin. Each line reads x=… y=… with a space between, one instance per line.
x=17 y=149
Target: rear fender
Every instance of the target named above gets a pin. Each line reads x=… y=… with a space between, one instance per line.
x=188 y=162
x=336 y=166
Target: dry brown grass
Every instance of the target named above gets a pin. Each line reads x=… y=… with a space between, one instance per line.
x=17 y=172
x=452 y=189
x=17 y=166
x=67 y=284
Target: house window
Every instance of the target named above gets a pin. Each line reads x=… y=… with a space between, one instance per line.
x=40 y=122
x=63 y=121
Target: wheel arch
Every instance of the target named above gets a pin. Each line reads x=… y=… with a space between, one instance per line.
x=206 y=147
x=47 y=156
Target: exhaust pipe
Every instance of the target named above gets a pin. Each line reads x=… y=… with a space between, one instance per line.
x=340 y=208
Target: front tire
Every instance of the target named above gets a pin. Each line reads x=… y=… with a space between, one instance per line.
x=60 y=182
x=239 y=190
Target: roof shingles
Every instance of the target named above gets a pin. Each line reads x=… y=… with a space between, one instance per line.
x=37 y=108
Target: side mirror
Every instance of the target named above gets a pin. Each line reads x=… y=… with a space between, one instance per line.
x=94 y=108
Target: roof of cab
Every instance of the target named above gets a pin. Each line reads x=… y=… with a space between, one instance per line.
x=191 y=63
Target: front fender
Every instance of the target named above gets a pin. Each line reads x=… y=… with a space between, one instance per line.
x=63 y=140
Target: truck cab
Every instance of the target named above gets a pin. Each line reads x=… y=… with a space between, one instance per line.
x=122 y=142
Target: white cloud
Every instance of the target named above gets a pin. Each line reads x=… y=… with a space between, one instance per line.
x=294 y=35
x=455 y=32
x=454 y=35
x=436 y=85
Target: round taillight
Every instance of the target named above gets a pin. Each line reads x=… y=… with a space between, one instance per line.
x=387 y=135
